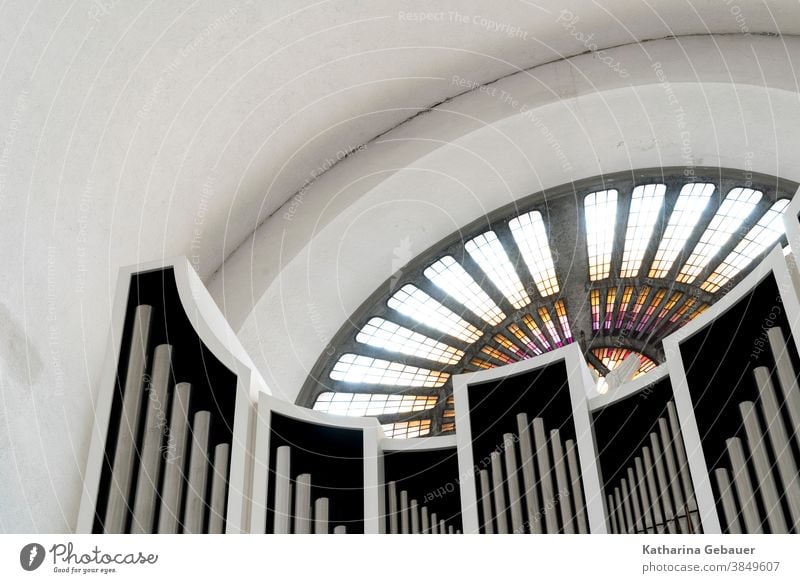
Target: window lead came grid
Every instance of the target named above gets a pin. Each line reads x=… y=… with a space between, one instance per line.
x=417 y=305
x=544 y=315
x=371 y=404
x=356 y=368
x=389 y=336
x=509 y=345
x=692 y=201
x=650 y=309
x=600 y=209
x=613 y=357
x=535 y=330
x=681 y=312
x=497 y=355
x=531 y=238
x=594 y=298
x=480 y=363
x=449 y=276
x=761 y=237
x=487 y=251
x=623 y=305
x=523 y=338
x=670 y=303
x=407 y=429
x=561 y=312
x=611 y=298
x=646 y=203
x=638 y=305
x=734 y=210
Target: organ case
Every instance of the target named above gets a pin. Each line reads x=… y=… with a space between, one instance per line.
x=525 y=451
x=171 y=442
x=734 y=371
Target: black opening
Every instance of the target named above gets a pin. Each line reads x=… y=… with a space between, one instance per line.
x=430 y=477
x=213 y=384
x=494 y=406
x=719 y=362
x=623 y=428
x=335 y=459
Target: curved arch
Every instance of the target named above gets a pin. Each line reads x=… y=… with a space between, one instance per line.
x=736 y=60
x=371 y=194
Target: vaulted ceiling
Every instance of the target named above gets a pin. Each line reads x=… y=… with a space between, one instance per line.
x=225 y=131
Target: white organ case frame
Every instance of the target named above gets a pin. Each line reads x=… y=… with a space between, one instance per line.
x=581 y=386
x=372 y=460
x=773 y=264
x=214 y=331
x=435 y=443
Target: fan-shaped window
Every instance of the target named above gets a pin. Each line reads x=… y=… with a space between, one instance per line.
x=516 y=284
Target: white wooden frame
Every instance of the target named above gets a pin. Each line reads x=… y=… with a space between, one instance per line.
x=217 y=335
x=773 y=264
x=581 y=384
x=372 y=434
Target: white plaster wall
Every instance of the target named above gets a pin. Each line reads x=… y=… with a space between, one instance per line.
x=133 y=131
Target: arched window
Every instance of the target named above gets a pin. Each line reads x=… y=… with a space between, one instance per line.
x=615 y=264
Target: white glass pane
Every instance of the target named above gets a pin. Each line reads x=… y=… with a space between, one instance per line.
x=529 y=233
x=454 y=280
x=763 y=235
x=646 y=203
x=689 y=207
x=601 y=216
x=489 y=254
x=356 y=368
x=362 y=404
x=417 y=305
x=407 y=429
x=733 y=211
x=381 y=333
